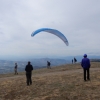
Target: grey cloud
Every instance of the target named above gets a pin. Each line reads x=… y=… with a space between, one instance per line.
x=78 y=20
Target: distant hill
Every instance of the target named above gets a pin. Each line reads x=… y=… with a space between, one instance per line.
x=8 y=66
x=54 y=62
x=95 y=60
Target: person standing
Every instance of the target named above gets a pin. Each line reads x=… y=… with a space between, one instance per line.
x=48 y=65
x=28 y=70
x=16 y=66
x=75 y=60
x=72 y=61
x=85 y=63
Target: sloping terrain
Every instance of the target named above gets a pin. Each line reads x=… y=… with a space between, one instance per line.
x=59 y=83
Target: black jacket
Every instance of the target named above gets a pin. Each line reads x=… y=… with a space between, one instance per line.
x=28 y=68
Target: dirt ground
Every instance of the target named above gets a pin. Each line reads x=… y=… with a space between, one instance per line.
x=58 y=83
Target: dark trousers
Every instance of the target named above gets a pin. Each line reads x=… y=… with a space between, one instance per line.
x=28 y=77
x=86 y=74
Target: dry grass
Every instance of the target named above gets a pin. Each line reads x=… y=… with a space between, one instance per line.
x=52 y=87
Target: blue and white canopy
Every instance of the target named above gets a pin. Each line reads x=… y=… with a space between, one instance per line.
x=52 y=31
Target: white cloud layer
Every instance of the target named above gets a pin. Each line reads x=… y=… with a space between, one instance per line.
x=78 y=20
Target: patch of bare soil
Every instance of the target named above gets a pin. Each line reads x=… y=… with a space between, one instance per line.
x=54 y=85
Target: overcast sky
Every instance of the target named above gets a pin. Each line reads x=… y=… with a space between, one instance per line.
x=78 y=20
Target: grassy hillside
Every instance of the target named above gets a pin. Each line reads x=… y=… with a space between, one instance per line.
x=58 y=83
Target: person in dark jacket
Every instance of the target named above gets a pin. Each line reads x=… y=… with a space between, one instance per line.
x=28 y=70
x=16 y=66
x=75 y=60
x=85 y=63
x=48 y=65
x=72 y=61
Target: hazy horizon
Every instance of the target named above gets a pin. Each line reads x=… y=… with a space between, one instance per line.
x=43 y=57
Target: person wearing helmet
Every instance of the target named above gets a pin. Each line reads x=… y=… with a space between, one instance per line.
x=85 y=63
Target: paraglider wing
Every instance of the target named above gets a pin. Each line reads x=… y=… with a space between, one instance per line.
x=52 y=31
